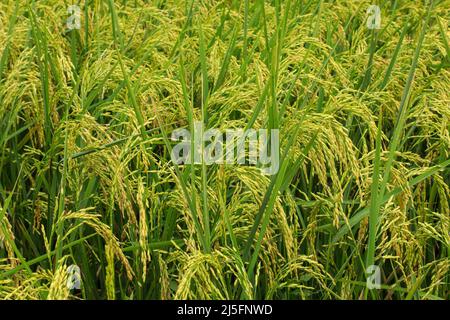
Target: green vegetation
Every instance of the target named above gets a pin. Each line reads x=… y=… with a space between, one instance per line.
x=86 y=176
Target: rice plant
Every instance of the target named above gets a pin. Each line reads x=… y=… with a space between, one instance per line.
x=91 y=92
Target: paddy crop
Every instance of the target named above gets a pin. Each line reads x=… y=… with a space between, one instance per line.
x=92 y=91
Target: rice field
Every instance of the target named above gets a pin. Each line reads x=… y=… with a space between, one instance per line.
x=93 y=205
